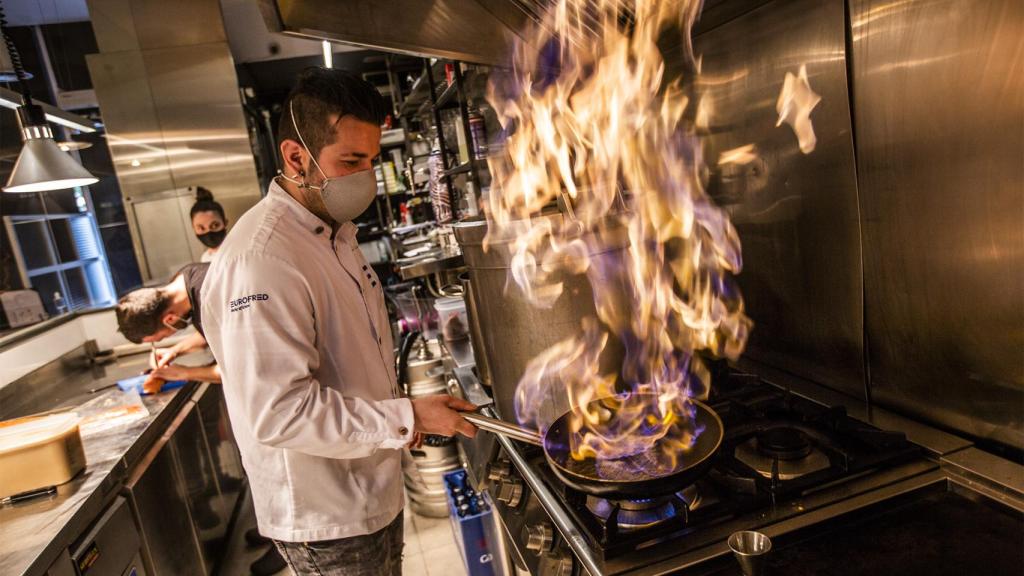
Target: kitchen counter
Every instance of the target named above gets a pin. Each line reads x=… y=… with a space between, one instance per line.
x=35 y=532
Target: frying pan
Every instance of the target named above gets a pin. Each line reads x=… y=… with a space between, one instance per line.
x=630 y=477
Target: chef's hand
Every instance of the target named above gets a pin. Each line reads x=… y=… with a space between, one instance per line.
x=162 y=357
x=440 y=415
x=417 y=440
x=173 y=372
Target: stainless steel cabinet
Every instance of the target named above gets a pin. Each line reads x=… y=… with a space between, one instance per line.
x=158 y=498
x=111 y=546
x=185 y=490
x=227 y=464
x=207 y=511
x=62 y=566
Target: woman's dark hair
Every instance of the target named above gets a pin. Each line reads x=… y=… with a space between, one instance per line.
x=205 y=203
x=320 y=92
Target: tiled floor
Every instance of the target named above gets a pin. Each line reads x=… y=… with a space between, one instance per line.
x=429 y=547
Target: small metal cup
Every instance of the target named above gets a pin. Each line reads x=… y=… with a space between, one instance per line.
x=751 y=550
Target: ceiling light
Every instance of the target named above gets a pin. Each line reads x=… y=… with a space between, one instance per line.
x=328 y=55
x=69 y=145
x=41 y=166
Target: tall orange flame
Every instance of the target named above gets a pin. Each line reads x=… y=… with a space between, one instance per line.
x=597 y=128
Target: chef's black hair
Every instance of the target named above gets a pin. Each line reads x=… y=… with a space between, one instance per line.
x=139 y=311
x=206 y=203
x=320 y=92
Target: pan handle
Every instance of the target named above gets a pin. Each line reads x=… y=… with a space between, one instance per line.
x=504 y=428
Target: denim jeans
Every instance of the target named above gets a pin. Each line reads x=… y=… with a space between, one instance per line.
x=377 y=554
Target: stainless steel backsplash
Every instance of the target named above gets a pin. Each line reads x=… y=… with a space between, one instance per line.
x=889 y=262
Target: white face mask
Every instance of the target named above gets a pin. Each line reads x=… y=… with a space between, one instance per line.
x=178 y=323
x=345 y=197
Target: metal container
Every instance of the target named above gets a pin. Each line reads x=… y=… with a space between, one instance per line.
x=425 y=373
x=474 y=330
x=36 y=452
x=424 y=480
x=424 y=471
x=509 y=329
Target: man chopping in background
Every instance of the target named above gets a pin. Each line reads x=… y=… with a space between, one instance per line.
x=296 y=319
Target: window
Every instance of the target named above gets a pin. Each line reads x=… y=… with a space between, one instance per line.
x=62 y=254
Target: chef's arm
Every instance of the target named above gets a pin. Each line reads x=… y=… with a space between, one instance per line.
x=209 y=373
x=164 y=356
x=266 y=347
x=190 y=343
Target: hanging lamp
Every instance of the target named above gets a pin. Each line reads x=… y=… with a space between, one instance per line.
x=41 y=165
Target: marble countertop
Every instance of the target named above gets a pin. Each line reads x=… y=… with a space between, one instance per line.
x=35 y=532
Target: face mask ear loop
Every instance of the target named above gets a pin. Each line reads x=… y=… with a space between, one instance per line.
x=291 y=113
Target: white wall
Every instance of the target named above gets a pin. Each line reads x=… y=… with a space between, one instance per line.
x=26 y=356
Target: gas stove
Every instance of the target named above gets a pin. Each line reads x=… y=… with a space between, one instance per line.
x=782 y=456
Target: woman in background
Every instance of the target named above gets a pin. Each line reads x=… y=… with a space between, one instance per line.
x=208 y=222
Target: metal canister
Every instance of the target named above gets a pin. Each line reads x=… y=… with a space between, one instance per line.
x=440 y=200
x=424 y=472
x=478 y=132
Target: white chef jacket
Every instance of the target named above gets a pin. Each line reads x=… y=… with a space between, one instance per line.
x=297 y=322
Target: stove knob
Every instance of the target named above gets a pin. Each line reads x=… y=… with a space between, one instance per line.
x=539 y=538
x=499 y=471
x=510 y=492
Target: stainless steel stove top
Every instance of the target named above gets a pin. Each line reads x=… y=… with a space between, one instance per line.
x=786 y=463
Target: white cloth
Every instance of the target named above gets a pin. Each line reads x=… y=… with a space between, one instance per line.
x=298 y=325
x=207 y=255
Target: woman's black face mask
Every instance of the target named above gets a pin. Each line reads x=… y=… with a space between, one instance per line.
x=212 y=239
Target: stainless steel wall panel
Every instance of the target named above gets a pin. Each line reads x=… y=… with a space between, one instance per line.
x=113 y=25
x=195 y=92
x=133 y=130
x=163 y=23
x=163 y=230
x=796 y=214
x=938 y=92
x=174 y=120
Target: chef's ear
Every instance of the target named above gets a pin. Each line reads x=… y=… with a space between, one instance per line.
x=294 y=157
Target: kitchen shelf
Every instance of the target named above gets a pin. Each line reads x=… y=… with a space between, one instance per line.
x=431 y=94
x=420 y=93
x=447 y=97
x=392 y=138
x=464 y=168
x=460 y=169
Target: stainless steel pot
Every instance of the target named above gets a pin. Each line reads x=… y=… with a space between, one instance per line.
x=509 y=331
x=482 y=370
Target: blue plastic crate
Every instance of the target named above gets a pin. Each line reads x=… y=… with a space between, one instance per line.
x=477 y=535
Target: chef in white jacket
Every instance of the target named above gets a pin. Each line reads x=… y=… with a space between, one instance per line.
x=296 y=319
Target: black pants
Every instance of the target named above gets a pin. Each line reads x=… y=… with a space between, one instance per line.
x=377 y=554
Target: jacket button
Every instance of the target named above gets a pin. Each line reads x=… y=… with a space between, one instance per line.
x=403 y=431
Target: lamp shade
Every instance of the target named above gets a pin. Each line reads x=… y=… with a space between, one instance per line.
x=42 y=166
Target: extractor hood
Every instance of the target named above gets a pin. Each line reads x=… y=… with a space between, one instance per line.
x=479 y=31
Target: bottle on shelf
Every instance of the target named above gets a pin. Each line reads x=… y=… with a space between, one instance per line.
x=59 y=303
